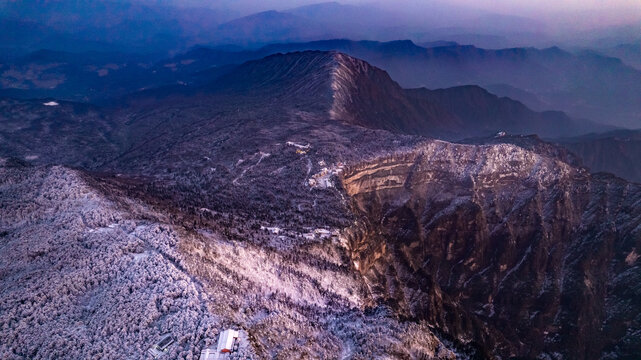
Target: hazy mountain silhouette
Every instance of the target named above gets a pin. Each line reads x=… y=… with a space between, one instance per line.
x=616 y=152
x=585 y=85
x=354 y=91
x=630 y=54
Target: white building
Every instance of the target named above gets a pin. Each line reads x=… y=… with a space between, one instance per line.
x=209 y=354
x=226 y=342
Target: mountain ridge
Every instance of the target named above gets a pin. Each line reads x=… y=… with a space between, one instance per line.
x=365 y=95
x=551 y=75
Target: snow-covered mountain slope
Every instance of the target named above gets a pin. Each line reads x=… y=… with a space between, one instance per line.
x=87 y=273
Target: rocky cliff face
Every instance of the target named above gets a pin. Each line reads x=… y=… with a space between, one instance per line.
x=514 y=252
x=365 y=95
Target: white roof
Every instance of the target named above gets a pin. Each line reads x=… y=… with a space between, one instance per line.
x=209 y=353
x=226 y=340
x=50 y=103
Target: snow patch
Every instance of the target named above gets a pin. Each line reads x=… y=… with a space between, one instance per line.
x=323 y=179
x=291 y=143
x=50 y=103
x=103 y=228
x=140 y=256
x=273 y=229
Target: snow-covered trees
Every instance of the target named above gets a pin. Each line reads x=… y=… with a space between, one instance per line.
x=86 y=276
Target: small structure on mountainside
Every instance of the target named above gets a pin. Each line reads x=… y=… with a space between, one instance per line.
x=162 y=346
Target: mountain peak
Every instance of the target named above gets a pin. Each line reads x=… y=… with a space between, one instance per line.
x=350 y=90
x=346 y=88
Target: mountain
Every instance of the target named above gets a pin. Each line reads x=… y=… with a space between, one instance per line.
x=101 y=272
x=206 y=201
x=345 y=88
x=630 y=54
x=616 y=152
x=361 y=94
x=437 y=21
x=112 y=25
x=504 y=247
x=480 y=112
x=269 y=26
x=155 y=130
x=541 y=79
x=531 y=143
x=349 y=21
x=292 y=201
x=438 y=43
x=367 y=96
x=584 y=85
x=348 y=89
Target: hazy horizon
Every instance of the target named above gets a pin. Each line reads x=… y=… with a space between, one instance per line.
x=487 y=23
x=594 y=13
x=546 y=23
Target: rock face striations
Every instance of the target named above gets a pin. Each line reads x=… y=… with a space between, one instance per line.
x=518 y=253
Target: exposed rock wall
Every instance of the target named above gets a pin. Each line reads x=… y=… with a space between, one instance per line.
x=519 y=253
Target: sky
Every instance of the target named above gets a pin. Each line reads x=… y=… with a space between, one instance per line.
x=550 y=5
x=559 y=14
x=611 y=10
x=593 y=12
x=508 y=6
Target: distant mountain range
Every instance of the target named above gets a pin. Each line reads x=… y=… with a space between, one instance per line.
x=585 y=85
x=630 y=54
x=371 y=98
x=165 y=27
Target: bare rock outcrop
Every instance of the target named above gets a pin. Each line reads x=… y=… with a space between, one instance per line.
x=520 y=254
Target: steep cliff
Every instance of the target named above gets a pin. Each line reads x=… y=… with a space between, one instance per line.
x=515 y=252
